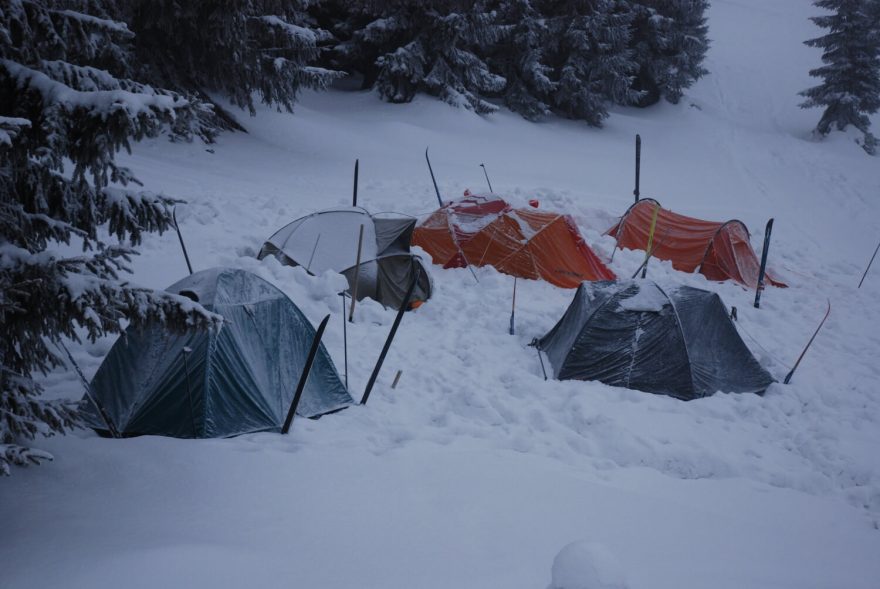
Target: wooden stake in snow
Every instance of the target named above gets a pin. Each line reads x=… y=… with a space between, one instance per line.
x=357 y=270
x=869 y=266
x=304 y=377
x=180 y=237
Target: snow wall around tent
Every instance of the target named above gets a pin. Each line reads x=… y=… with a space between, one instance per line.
x=328 y=240
x=237 y=380
x=720 y=251
x=485 y=230
x=633 y=334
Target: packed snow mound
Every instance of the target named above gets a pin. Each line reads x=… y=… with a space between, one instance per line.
x=586 y=565
x=648 y=299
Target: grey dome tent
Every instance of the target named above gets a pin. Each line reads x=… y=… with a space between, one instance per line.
x=205 y=384
x=634 y=334
x=328 y=240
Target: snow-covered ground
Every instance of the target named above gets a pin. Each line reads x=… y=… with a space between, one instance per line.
x=474 y=471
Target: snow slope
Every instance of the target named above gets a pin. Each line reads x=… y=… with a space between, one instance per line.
x=474 y=471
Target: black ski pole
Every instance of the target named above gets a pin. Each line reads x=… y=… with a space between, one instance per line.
x=304 y=377
x=354 y=198
x=638 y=164
x=387 y=345
x=434 y=180
x=869 y=266
x=513 y=309
x=760 y=286
x=487 y=178
x=180 y=237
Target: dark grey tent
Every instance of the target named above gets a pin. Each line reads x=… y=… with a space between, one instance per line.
x=205 y=384
x=634 y=334
x=328 y=240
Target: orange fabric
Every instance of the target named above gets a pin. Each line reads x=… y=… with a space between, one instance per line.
x=521 y=242
x=720 y=251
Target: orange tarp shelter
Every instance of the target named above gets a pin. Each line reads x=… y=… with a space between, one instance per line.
x=527 y=243
x=720 y=251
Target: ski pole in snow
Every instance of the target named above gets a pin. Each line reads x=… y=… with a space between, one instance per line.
x=102 y=413
x=434 y=180
x=396 y=379
x=513 y=309
x=357 y=270
x=344 y=339
x=869 y=265
x=650 y=249
x=487 y=178
x=760 y=286
x=304 y=377
x=807 y=347
x=354 y=198
x=387 y=345
x=180 y=237
x=638 y=164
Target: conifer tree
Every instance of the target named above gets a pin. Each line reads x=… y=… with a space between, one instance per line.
x=850 y=88
x=236 y=48
x=519 y=57
x=434 y=46
x=593 y=61
x=66 y=107
x=670 y=40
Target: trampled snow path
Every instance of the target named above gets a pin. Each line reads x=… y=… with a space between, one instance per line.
x=475 y=472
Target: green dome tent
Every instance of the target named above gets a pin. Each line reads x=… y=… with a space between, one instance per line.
x=207 y=384
x=634 y=334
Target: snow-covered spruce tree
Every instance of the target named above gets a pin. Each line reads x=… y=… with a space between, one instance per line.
x=670 y=40
x=850 y=88
x=234 y=48
x=519 y=57
x=425 y=46
x=65 y=110
x=591 y=58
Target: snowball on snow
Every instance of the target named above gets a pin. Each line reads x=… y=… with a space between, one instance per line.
x=586 y=565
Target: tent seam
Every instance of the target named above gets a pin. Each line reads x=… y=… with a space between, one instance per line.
x=687 y=352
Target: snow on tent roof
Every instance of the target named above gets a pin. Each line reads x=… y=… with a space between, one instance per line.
x=720 y=251
x=205 y=384
x=637 y=335
x=485 y=230
x=328 y=240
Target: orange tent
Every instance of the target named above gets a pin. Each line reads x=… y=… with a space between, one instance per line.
x=720 y=251
x=483 y=230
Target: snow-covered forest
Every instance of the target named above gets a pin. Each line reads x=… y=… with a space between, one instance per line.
x=483 y=457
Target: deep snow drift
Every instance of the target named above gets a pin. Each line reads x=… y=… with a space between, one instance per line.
x=474 y=471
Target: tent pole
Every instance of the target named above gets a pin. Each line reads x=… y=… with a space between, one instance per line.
x=387 y=345
x=114 y=433
x=487 y=178
x=304 y=377
x=650 y=248
x=638 y=164
x=312 y=257
x=434 y=180
x=357 y=270
x=354 y=198
x=344 y=338
x=192 y=414
x=869 y=266
x=180 y=237
x=541 y=360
